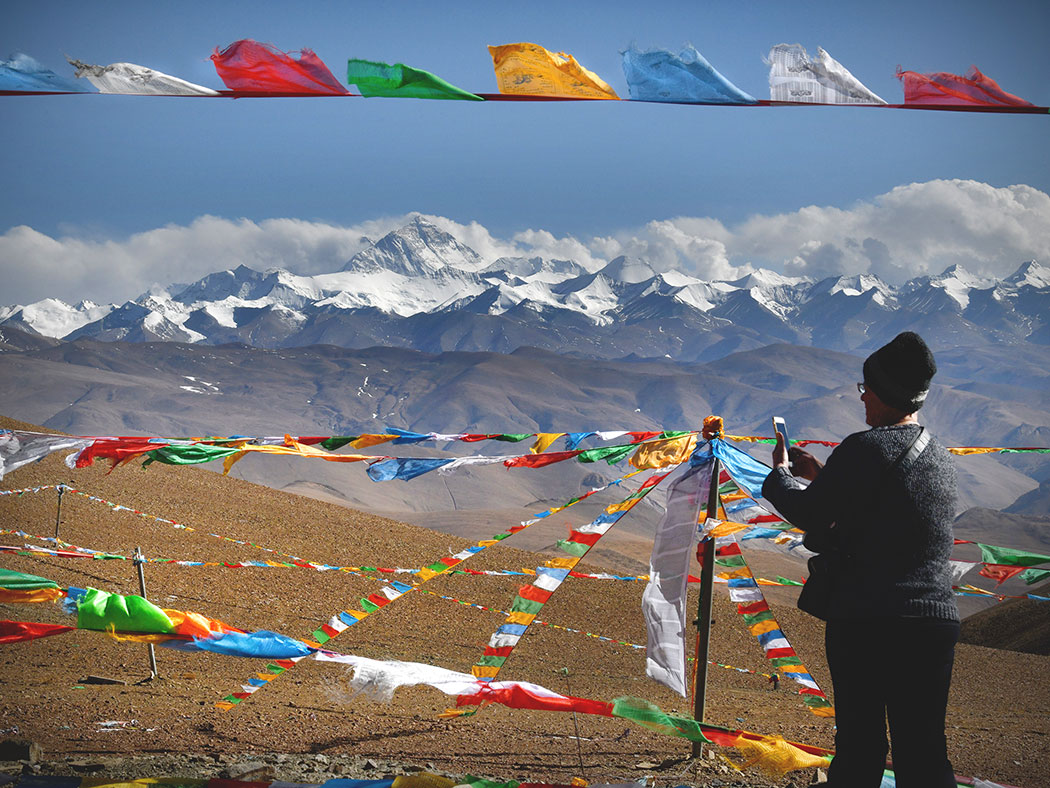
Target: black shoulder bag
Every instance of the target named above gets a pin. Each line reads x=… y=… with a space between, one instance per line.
x=819 y=589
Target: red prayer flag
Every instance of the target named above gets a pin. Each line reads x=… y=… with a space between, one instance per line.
x=943 y=88
x=249 y=66
x=1000 y=573
x=117 y=450
x=517 y=696
x=540 y=460
x=17 y=631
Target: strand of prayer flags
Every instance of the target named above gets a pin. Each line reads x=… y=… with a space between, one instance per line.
x=603 y=638
x=760 y=524
x=531 y=598
x=654 y=449
x=753 y=608
x=347 y=618
x=134 y=619
x=526 y=71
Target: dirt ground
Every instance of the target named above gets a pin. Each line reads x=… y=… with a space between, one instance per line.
x=998 y=719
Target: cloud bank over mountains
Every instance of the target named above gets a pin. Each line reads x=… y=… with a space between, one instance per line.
x=912 y=230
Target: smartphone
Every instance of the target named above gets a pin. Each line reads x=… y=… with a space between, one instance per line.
x=779 y=426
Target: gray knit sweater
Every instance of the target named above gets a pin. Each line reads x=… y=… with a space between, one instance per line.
x=892 y=532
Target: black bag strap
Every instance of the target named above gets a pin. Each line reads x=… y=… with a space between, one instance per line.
x=911 y=454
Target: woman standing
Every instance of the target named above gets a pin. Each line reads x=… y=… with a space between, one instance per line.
x=879 y=513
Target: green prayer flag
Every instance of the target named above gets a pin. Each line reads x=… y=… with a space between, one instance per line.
x=19 y=581
x=755 y=618
x=650 y=716
x=611 y=454
x=781 y=661
x=573 y=548
x=188 y=454
x=786 y=582
x=514 y=437
x=337 y=441
x=101 y=610
x=1031 y=576
x=374 y=78
x=991 y=554
x=522 y=605
x=491 y=661
x=733 y=560
x=369 y=607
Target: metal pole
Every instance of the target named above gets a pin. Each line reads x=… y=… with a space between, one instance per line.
x=58 y=514
x=140 y=559
x=703 y=613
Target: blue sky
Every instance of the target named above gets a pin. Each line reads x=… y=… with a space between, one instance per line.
x=100 y=169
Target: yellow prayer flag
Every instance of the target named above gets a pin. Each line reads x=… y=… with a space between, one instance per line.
x=30 y=595
x=762 y=627
x=227 y=464
x=972 y=450
x=742 y=571
x=544 y=440
x=371 y=440
x=727 y=528
x=562 y=563
x=484 y=671
x=518 y=617
x=530 y=70
x=659 y=454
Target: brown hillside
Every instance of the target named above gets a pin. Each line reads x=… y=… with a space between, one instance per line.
x=997 y=729
x=1016 y=624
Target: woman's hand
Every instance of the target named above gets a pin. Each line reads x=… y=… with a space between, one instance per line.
x=780 y=452
x=802 y=463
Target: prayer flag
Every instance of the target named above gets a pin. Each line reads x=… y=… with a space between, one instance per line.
x=130 y=79
x=795 y=77
x=249 y=66
x=18 y=448
x=20 y=581
x=1000 y=573
x=660 y=75
x=400 y=81
x=23 y=73
x=942 y=88
x=17 y=631
x=103 y=611
x=991 y=554
x=530 y=70
x=523 y=695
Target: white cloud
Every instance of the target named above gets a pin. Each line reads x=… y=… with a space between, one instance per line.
x=919 y=228
x=916 y=229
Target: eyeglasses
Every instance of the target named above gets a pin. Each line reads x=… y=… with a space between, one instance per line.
x=861 y=388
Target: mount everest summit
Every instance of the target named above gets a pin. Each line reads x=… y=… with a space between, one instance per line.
x=418 y=287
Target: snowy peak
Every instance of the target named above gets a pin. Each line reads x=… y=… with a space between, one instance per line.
x=629 y=270
x=417 y=249
x=956 y=283
x=241 y=282
x=534 y=269
x=1030 y=274
x=52 y=317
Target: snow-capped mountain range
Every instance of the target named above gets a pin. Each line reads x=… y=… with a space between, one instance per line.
x=419 y=287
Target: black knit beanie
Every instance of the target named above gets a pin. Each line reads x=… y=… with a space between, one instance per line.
x=900 y=372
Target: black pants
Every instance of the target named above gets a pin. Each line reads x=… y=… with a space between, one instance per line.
x=900 y=669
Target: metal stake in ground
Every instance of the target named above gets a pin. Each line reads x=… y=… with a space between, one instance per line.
x=703 y=613
x=139 y=560
x=58 y=514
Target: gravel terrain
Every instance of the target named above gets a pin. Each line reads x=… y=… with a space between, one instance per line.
x=306 y=726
